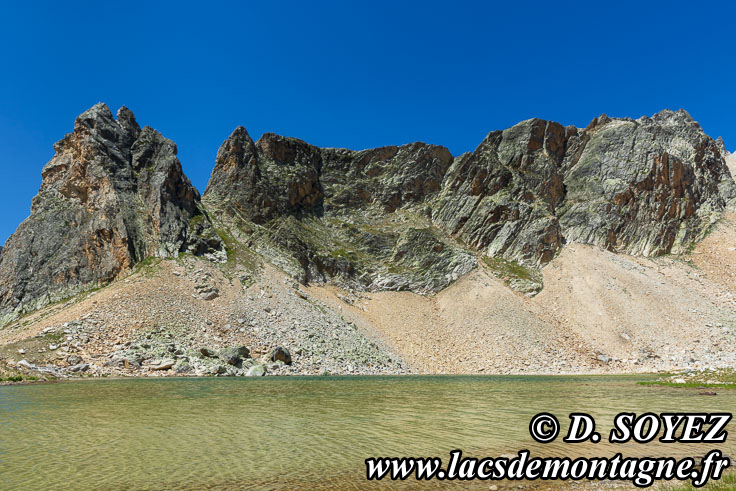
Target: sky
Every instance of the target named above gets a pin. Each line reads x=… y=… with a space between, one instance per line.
x=349 y=74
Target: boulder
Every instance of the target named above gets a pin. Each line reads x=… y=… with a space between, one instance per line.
x=242 y=351
x=280 y=354
x=74 y=360
x=80 y=367
x=207 y=352
x=163 y=365
x=256 y=371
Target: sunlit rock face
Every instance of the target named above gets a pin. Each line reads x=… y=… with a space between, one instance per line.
x=112 y=195
x=648 y=186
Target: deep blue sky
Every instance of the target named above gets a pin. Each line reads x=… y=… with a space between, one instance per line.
x=348 y=75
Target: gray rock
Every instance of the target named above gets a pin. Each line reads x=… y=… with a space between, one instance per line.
x=74 y=360
x=81 y=367
x=163 y=365
x=182 y=366
x=207 y=292
x=207 y=352
x=256 y=371
x=125 y=362
x=242 y=351
x=280 y=354
x=232 y=357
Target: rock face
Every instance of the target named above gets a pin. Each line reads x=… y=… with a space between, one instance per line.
x=274 y=177
x=648 y=187
x=337 y=214
x=407 y=217
x=411 y=217
x=111 y=196
x=389 y=177
x=502 y=198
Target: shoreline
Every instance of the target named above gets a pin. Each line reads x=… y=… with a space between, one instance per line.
x=652 y=375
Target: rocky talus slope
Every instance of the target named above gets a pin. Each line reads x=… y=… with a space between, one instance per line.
x=548 y=249
x=111 y=196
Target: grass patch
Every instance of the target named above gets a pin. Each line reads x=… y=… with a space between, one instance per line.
x=510 y=269
x=148 y=266
x=518 y=277
x=195 y=221
x=718 y=379
x=18 y=378
x=237 y=253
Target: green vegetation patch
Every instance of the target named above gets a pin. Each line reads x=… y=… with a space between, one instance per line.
x=719 y=379
x=515 y=275
x=237 y=253
x=19 y=378
x=149 y=266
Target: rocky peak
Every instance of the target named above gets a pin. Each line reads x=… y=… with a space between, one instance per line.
x=112 y=195
x=275 y=176
x=674 y=118
x=647 y=186
x=721 y=146
x=502 y=197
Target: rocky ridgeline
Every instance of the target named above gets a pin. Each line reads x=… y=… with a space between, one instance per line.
x=407 y=217
x=328 y=214
x=412 y=217
x=112 y=195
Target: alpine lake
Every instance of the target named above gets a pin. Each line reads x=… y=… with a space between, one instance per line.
x=305 y=432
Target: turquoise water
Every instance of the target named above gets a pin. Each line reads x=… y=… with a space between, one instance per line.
x=286 y=433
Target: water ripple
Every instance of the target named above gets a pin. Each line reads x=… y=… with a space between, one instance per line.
x=296 y=432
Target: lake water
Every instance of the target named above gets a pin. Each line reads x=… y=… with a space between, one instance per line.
x=308 y=433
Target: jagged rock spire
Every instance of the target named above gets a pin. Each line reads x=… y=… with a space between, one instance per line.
x=112 y=195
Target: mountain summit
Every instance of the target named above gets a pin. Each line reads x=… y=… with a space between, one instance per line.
x=112 y=195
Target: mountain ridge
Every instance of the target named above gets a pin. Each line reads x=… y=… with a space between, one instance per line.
x=409 y=217
x=520 y=195
x=398 y=259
